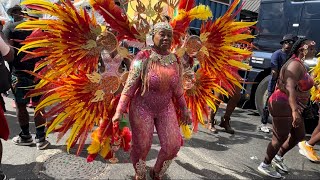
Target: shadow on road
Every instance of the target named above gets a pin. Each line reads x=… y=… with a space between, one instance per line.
x=209 y=174
x=21 y=171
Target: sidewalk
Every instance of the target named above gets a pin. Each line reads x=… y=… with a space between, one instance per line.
x=205 y=156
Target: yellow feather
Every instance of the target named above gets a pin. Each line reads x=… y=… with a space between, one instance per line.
x=186 y=131
x=75 y=130
x=239 y=37
x=239 y=25
x=54 y=98
x=94 y=147
x=239 y=64
x=61 y=117
x=181 y=15
x=105 y=148
x=200 y=12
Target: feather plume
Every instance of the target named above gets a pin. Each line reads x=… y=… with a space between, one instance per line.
x=116 y=18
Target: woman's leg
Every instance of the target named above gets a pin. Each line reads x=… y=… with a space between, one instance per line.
x=315 y=137
x=231 y=105
x=170 y=139
x=142 y=124
x=282 y=121
x=213 y=113
x=306 y=148
x=281 y=130
x=296 y=135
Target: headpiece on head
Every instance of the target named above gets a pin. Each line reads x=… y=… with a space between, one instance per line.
x=289 y=37
x=160 y=26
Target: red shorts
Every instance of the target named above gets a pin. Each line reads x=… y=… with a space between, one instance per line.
x=4 y=129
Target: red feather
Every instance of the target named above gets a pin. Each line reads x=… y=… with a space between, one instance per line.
x=186 y=4
x=116 y=18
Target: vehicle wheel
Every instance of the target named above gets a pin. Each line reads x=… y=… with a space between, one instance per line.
x=262 y=95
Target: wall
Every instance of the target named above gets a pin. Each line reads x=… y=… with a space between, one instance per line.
x=218 y=9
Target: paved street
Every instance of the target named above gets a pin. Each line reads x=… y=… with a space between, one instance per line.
x=205 y=156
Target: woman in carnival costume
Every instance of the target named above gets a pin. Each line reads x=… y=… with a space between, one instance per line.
x=291 y=96
x=155 y=78
x=158 y=92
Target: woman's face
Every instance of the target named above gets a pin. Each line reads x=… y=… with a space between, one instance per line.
x=311 y=51
x=162 y=39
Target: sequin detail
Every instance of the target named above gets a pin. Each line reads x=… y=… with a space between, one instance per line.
x=164 y=168
x=111 y=64
x=141 y=169
x=164 y=60
x=134 y=74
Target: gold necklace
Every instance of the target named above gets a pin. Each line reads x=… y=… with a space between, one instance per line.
x=164 y=60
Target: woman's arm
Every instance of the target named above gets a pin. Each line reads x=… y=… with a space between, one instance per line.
x=179 y=95
x=6 y=51
x=132 y=83
x=293 y=73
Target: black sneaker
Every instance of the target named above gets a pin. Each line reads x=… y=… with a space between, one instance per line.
x=42 y=143
x=22 y=140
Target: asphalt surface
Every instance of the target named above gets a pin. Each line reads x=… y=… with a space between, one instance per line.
x=205 y=156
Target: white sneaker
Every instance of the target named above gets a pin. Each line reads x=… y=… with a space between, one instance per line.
x=264 y=128
x=278 y=162
x=42 y=143
x=22 y=140
x=268 y=170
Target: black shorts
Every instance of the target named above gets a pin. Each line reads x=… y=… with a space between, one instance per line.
x=21 y=89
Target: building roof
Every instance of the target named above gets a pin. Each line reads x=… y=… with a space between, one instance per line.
x=252 y=5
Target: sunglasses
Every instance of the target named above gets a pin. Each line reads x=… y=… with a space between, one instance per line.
x=288 y=42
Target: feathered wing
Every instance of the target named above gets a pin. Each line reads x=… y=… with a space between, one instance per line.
x=315 y=91
x=218 y=54
x=117 y=19
x=72 y=92
x=200 y=96
x=76 y=102
x=219 y=62
x=68 y=41
x=186 y=13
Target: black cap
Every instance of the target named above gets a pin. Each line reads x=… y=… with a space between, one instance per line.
x=16 y=7
x=289 y=37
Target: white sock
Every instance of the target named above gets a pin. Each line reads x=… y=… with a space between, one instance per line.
x=264 y=164
x=308 y=144
x=278 y=157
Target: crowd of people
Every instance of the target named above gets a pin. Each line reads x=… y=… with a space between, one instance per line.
x=154 y=79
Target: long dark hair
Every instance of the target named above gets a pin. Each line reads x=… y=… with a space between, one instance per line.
x=295 y=47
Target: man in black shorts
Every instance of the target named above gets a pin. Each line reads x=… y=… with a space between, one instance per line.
x=25 y=82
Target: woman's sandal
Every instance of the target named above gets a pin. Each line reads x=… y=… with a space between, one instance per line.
x=212 y=128
x=225 y=123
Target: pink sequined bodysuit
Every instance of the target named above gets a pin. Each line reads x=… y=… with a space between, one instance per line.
x=155 y=107
x=111 y=64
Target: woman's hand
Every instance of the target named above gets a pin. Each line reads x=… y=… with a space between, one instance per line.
x=186 y=118
x=297 y=119
x=116 y=117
